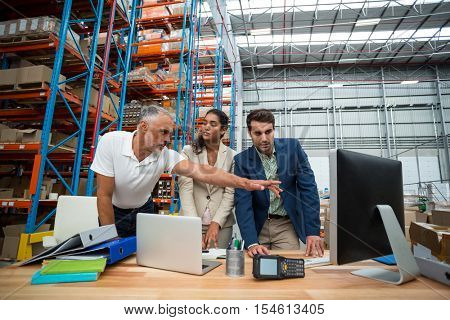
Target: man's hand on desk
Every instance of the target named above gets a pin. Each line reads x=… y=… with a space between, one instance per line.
x=314 y=246
x=257 y=249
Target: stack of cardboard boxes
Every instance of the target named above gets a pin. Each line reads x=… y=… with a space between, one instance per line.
x=34 y=28
x=430 y=241
x=10 y=135
x=108 y=103
x=26 y=77
x=149 y=35
x=141 y=74
x=176 y=45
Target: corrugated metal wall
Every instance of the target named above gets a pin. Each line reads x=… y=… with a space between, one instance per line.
x=302 y=101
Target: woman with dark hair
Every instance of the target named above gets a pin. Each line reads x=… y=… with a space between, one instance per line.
x=213 y=204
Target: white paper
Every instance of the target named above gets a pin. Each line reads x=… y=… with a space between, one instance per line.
x=22 y=24
x=34 y=24
x=12 y=28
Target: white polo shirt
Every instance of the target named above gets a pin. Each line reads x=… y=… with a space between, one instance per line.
x=134 y=180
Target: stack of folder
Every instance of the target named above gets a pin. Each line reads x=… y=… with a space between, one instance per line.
x=82 y=257
x=97 y=243
x=58 y=271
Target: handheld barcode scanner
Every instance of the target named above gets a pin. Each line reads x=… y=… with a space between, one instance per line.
x=277 y=267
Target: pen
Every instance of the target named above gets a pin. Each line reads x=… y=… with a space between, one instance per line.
x=236 y=244
x=242 y=244
x=229 y=243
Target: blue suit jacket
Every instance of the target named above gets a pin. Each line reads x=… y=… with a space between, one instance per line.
x=300 y=196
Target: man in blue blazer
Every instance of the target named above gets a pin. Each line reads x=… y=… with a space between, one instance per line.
x=276 y=221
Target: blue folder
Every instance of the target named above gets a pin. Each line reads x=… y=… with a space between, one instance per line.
x=114 y=250
x=389 y=260
x=39 y=278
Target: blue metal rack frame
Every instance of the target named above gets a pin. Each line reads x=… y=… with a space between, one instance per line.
x=94 y=21
x=127 y=36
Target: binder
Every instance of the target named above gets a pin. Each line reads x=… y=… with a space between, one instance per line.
x=39 y=278
x=77 y=242
x=115 y=250
x=74 y=266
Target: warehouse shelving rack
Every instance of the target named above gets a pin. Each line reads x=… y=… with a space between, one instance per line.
x=181 y=89
x=113 y=69
x=65 y=111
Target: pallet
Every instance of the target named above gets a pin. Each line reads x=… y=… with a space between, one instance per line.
x=24 y=86
x=14 y=39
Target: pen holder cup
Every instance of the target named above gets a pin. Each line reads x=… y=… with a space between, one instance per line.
x=235 y=263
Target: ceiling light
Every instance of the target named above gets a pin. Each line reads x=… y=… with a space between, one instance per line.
x=335 y=85
x=260 y=32
x=367 y=22
x=351 y=60
x=264 y=66
x=409 y=82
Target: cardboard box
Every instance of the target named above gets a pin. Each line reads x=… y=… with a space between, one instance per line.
x=12 y=239
x=32 y=135
x=151 y=34
x=8 y=135
x=57 y=137
x=436 y=238
x=47 y=186
x=18 y=184
x=81 y=187
x=37 y=74
x=440 y=217
x=59 y=188
x=178 y=9
x=150 y=49
x=6 y=193
x=155 y=12
x=8 y=77
x=410 y=216
x=93 y=98
x=151 y=66
x=110 y=105
x=422 y=217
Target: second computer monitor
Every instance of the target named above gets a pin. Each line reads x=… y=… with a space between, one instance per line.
x=359 y=183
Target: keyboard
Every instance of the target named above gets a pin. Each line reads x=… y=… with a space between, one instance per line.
x=204 y=266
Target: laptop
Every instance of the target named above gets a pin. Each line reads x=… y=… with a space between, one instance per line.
x=171 y=243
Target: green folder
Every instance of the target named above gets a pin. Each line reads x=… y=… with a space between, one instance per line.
x=74 y=266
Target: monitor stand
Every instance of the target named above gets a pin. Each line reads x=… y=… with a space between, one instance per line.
x=407 y=267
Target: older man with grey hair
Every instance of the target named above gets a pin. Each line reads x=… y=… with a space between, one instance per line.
x=129 y=164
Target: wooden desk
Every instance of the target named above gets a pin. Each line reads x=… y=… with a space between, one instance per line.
x=126 y=280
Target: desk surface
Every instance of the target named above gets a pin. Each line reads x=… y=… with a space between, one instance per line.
x=126 y=280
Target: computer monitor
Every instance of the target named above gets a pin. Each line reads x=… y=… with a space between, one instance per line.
x=366 y=214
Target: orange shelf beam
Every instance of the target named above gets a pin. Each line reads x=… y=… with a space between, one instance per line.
x=24 y=203
x=152 y=5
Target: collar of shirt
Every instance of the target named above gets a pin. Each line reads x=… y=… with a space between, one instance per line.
x=127 y=150
x=264 y=156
